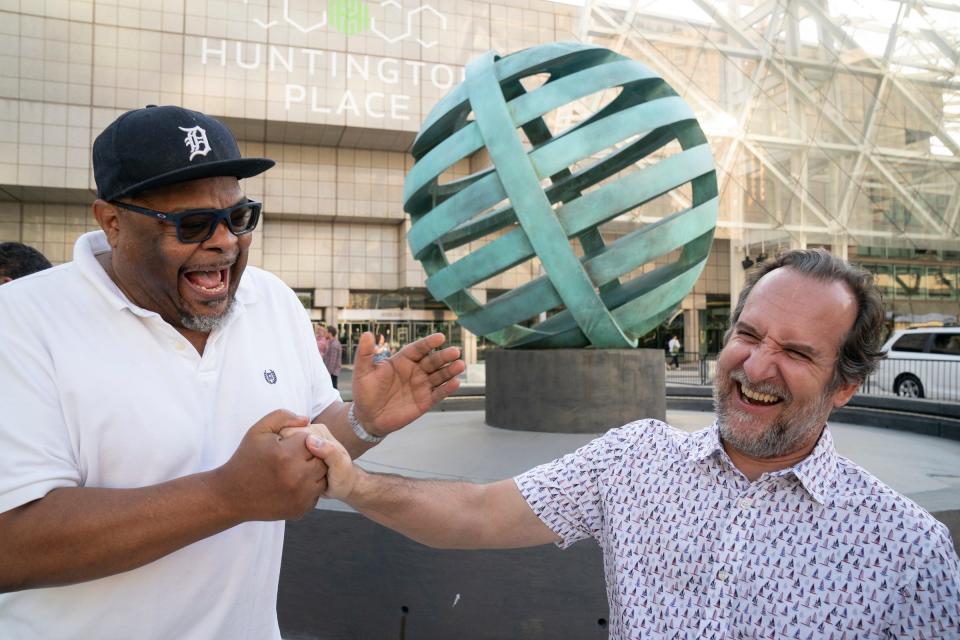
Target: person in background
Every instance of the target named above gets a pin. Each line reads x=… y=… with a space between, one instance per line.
x=18 y=260
x=334 y=355
x=382 y=350
x=674 y=348
x=321 y=333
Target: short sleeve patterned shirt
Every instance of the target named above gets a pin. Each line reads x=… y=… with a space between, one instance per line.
x=693 y=550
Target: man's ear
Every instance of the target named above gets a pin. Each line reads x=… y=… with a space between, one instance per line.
x=843 y=394
x=108 y=217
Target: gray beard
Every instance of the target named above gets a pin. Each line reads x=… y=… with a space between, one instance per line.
x=206 y=324
x=780 y=438
x=777 y=440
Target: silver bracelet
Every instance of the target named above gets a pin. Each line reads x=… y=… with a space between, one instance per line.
x=358 y=429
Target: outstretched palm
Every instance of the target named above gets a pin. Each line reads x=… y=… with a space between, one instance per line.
x=392 y=393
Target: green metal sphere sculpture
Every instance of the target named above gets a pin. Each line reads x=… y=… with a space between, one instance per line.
x=542 y=200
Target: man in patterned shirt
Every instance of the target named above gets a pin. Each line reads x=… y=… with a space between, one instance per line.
x=754 y=527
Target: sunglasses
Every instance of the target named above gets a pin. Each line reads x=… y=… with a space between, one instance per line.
x=198 y=225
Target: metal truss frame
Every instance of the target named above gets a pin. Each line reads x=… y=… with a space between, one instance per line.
x=780 y=60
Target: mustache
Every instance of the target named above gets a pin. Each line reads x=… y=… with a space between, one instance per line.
x=220 y=265
x=768 y=388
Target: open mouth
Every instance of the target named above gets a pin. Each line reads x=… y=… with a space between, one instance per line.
x=756 y=398
x=208 y=283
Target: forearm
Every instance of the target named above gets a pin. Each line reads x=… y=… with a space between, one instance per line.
x=79 y=534
x=433 y=512
x=453 y=515
x=449 y=515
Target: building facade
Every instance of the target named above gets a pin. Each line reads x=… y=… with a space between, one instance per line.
x=336 y=91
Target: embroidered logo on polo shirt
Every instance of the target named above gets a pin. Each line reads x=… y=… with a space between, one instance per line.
x=270 y=376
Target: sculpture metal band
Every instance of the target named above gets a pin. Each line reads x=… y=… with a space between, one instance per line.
x=591 y=177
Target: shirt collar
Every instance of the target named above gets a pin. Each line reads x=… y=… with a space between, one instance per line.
x=705 y=443
x=816 y=473
x=92 y=244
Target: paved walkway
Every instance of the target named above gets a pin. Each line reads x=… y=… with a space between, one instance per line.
x=458 y=445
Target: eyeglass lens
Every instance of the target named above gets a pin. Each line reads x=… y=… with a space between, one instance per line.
x=198 y=226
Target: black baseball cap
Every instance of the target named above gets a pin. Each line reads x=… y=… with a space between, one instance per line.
x=158 y=146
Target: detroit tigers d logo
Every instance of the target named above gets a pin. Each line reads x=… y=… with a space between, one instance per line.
x=196 y=141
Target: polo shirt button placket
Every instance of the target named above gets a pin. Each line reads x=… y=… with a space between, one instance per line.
x=210 y=360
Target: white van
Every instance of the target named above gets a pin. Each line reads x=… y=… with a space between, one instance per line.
x=921 y=363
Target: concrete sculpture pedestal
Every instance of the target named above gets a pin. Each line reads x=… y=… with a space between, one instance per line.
x=573 y=390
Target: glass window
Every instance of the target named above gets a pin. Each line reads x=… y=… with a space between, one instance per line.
x=410 y=299
x=883 y=278
x=948 y=343
x=913 y=342
x=714 y=320
x=306 y=297
x=909 y=279
x=941 y=283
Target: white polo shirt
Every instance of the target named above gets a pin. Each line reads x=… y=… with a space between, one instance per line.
x=98 y=392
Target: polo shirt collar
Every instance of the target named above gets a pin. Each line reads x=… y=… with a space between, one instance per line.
x=94 y=243
x=816 y=473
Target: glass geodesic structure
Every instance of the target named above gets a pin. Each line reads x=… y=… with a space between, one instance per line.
x=834 y=122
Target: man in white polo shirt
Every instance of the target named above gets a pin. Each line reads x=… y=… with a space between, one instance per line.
x=144 y=481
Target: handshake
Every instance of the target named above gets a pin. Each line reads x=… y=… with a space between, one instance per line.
x=281 y=468
x=341 y=474
x=284 y=464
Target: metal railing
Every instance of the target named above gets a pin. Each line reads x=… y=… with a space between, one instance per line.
x=910 y=378
x=933 y=379
x=691 y=369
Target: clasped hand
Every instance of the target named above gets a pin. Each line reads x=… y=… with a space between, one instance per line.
x=341 y=474
x=284 y=465
x=272 y=476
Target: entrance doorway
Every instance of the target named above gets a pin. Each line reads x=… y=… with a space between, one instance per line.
x=398 y=333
